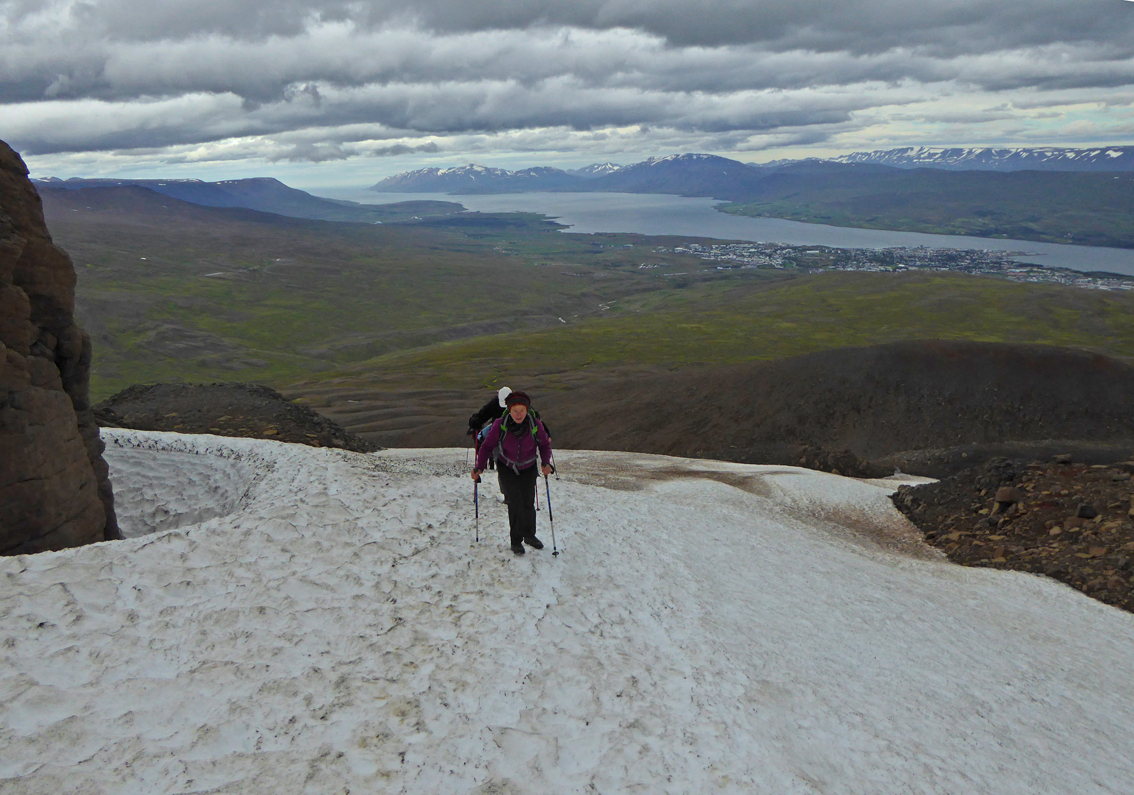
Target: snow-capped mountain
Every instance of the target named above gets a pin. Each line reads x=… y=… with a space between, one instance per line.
x=474 y=178
x=691 y=157
x=285 y=619
x=1110 y=158
x=684 y=174
x=595 y=170
x=689 y=174
x=696 y=174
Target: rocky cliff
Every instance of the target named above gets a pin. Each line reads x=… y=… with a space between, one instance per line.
x=54 y=489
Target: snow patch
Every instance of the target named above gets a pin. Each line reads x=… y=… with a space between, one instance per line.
x=707 y=627
x=193 y=485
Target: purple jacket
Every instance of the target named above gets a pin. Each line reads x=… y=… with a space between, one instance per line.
x=513 y=451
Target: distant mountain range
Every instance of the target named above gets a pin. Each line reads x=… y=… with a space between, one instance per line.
x=1109 y=158
x=1052 y=203
x=479 y=179
x=1082 y=196
x=264 y=194
x=689 y=174
x=720 y=177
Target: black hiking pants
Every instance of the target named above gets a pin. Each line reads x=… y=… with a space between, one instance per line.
x=519 y=493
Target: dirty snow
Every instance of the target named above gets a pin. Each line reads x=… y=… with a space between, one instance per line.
x=295 y=620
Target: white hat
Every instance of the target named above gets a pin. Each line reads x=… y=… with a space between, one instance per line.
x=503 y=394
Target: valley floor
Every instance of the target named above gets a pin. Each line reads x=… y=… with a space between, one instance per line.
x=312 y=620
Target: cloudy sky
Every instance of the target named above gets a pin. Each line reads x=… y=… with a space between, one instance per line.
x=337 y=92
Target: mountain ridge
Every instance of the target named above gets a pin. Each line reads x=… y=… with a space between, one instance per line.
x=474 y=178
x=261 y=194
x=1048 y=158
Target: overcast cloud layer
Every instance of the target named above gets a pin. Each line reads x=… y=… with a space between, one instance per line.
x=121 y=85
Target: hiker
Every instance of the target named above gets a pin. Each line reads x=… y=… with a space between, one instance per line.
x=517 y=441
x=480 y=422
x=492 y=411
x=489 y=412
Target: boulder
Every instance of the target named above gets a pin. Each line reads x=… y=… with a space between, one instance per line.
x=1007 y=499
x=54 y=486
x=1008 y=495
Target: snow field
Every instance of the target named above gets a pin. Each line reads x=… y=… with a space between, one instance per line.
x=321 y=621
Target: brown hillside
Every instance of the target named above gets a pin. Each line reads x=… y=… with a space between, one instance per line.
x=875 y=401
x=928 y=407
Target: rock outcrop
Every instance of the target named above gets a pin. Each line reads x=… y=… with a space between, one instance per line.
x=230 y=409
x=1062 y=518
x=54 y=486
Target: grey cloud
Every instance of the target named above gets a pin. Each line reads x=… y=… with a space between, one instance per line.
x=176 y=72
x=284 y=69
x=402 y=149
x=313 y=153
x=390 y=110
x=821 y=25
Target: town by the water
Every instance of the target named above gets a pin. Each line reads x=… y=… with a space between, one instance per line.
x=1006 y=264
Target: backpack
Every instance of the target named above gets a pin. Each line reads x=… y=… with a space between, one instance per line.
x=498 y=453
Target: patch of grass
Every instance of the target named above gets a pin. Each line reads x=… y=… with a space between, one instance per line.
x=722 y=324
x=1057 y=207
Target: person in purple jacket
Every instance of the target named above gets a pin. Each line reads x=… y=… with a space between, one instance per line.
x=516 y=442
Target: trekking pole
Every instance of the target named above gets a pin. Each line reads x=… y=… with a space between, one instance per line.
x=554 y=469
x=550 y=518
x=476 y=503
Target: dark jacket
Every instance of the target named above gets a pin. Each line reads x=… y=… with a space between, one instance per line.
x=492 y=410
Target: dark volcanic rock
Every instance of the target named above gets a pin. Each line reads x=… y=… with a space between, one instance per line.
x=1044 y=532
x=54 y=486
x=841 y=462
x=234 y=409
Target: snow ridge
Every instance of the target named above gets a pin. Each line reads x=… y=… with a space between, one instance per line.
x=1115 y=158
x=597 y=170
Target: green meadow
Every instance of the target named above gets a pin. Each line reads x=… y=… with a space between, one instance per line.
x=731 y=323
x=1056 y=207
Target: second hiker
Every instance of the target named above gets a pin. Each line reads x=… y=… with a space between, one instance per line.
x=516 y=442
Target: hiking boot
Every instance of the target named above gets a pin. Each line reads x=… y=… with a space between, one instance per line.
x=533 y=542
x=518 y=549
